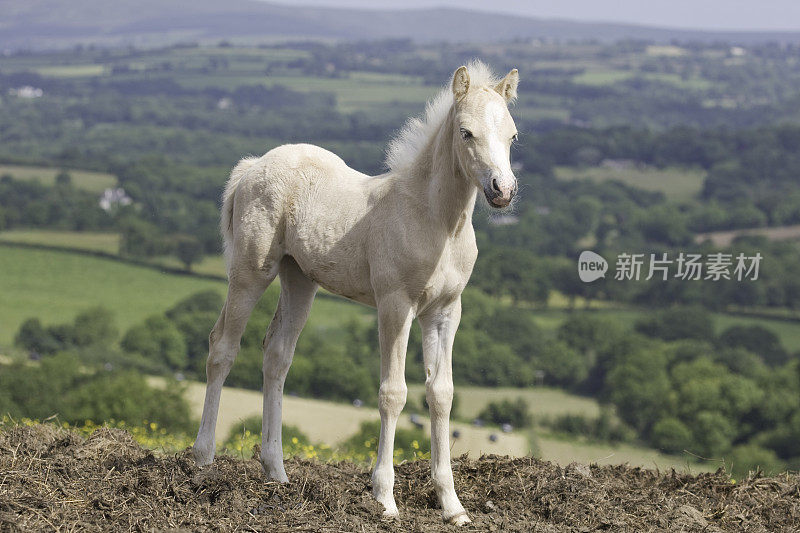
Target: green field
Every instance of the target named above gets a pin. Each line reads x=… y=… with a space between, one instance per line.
x=357 y=91
x=71 y=71
x=543 y=401
x=81 y=179
x=610 y=77
x=327 y=309
x=55 y=286
x=78 y=240
x=675 y=183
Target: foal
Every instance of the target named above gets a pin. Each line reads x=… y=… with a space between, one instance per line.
x=402 y=242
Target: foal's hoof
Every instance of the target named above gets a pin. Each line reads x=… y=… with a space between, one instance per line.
x=459 y=519
x=202 y=458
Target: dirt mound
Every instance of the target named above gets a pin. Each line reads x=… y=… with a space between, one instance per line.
x=54 y=479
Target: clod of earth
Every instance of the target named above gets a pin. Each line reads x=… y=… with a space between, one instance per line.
x=52 y=478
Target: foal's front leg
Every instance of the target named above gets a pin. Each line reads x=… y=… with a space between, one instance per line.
x=438 y=331
x=394 y=323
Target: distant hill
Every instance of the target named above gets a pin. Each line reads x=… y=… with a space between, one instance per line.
x=38 y=24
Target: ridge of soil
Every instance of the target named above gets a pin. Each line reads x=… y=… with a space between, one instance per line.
x=53 y=479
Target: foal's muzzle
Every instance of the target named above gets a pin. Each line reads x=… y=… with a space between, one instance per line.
x=499 y=191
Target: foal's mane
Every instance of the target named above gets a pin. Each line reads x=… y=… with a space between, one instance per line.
x=417 y=131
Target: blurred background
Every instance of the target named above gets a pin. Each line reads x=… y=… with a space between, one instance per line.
x=119 y=124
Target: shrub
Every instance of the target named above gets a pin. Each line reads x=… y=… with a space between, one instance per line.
x=159 y=340
x=408 y=443
x=671 y=435
x=507 y=412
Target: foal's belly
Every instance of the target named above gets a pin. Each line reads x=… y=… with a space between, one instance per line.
x=335 y=260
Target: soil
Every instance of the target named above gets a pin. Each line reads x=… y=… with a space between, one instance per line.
x=53 y=479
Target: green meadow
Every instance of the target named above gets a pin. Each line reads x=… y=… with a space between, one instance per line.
x=81 y=179
x=56 y=285
x=675 y=183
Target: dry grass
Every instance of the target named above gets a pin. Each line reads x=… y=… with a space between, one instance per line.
x=54 y=480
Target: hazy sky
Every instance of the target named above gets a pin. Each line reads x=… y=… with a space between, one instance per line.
x=705 y=14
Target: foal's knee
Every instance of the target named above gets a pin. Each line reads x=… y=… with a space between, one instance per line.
x=221 y=354
x=439 y=394
x=392 y=398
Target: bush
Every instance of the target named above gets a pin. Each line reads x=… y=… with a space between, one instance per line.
x=604 y=428
x=63 y=387
x=507 y=412
x=158 y=340
x=94 y=326
x=671 y=435
x=251 y=426
x=750 y=458
x=678 y=323
x=408 y=443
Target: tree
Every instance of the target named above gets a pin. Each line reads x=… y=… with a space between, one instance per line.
x=671 y=435
x=189 y=250
x=158 y=340
x=94 y=326
x=515 y=413
x=32 y=336
x=758 y=340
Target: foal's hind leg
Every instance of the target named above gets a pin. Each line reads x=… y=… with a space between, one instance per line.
x=223 y=345
x=297 y=295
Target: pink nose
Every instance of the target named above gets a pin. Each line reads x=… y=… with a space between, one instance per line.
x=504 y=190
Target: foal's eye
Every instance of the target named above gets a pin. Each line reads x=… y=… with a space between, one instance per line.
x=466 y=134
x=514 y=138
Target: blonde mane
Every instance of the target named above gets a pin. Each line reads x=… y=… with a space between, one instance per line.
x=417 y=131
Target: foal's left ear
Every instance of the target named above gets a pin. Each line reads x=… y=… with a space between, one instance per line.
x=508 y=87
x=460 y=83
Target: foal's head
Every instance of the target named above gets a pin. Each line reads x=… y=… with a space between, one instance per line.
x=484 y=132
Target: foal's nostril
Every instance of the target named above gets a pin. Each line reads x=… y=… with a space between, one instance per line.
x=495 y=186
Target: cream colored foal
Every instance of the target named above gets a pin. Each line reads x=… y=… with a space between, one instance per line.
x=402 y=242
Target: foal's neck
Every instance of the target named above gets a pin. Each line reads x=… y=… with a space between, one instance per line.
x=439 y=179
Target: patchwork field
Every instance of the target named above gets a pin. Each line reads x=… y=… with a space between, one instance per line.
x=82 y=179
x=675 y=183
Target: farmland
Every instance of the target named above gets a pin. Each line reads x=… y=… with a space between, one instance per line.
x=82 y=179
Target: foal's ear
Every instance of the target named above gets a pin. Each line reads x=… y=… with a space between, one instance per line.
x=460 y=83
x=508 y=87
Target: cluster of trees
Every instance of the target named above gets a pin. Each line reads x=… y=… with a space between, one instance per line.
x=66 y=387
x=670 y=378
x=515 y=413
x=680 y=387
x=31 y=204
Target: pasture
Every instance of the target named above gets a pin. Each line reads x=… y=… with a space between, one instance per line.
x=56 y=285
x=81 y=179
x=330 y=423
x=676 y=183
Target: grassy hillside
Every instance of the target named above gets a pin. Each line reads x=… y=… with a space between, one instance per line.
x=55 y=286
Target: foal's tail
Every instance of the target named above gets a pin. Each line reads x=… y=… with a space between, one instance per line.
x=226 y=221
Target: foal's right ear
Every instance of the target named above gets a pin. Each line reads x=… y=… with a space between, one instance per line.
x=460 y=83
